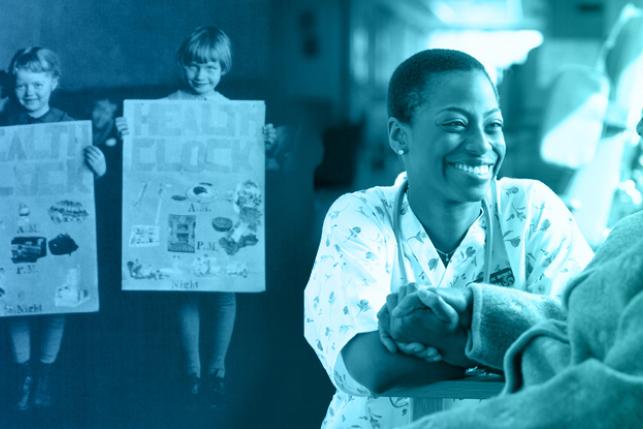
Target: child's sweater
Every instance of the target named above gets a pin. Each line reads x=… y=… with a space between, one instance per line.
x=16 y=116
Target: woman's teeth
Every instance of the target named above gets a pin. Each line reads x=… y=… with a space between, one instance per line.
x=478 y=170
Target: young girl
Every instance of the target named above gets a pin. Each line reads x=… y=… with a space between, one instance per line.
x=204 y=58
x=34 y=74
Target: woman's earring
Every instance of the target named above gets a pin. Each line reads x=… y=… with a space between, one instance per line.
x=401 y=152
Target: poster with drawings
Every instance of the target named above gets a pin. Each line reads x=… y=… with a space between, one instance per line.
x=193 y=196
x=47 y=222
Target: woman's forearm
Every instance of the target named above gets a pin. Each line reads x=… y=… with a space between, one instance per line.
x=379 y=370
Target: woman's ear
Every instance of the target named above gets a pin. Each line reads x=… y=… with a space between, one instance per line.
x=54 y=83
x=398 y=136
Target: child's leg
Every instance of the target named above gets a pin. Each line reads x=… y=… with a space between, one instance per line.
x=20 y=338
x=52 y=330
x=188 y=315
x=221 y=311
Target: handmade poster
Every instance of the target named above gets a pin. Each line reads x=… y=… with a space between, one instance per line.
x=47 y=222
x=193 y=196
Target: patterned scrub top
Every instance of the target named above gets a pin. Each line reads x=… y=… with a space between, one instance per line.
x=537 y=247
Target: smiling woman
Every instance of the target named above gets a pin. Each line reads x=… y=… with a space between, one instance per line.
x=451 y=148
x=447 y=222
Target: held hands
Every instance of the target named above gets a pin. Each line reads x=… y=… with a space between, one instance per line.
x=411 y=326
x=431 y=324
x=417 y=349
x=95 y=160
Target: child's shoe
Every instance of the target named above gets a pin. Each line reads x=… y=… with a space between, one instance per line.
x=213 y=390
x=24 y=386
x=191 y=390
x=42 y=395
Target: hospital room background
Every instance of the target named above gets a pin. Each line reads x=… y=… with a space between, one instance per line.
x=570 y=77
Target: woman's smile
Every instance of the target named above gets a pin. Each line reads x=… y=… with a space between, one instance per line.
x=482 y=172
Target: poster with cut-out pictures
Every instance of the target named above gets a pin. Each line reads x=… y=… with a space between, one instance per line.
x=193 y=196
x=48 y=222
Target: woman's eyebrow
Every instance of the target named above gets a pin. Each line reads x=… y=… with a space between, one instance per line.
x=466 y=112
x=454 y=109
x=492 y=111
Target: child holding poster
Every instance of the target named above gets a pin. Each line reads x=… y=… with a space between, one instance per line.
x=34 y=74
x=205 y=319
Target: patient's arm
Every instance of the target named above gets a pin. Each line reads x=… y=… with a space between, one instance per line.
x=500 y=315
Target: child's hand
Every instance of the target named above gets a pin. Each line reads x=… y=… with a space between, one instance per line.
x=270 y=137
x=95 y=160
x=121 y=126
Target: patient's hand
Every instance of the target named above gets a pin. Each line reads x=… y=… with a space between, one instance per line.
x=451 y=305
x=427 y=299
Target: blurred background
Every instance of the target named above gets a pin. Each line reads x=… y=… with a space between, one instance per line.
x=570 y=74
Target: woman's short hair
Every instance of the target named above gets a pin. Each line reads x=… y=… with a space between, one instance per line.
x=37 y=60
x=206 y=44
x=408 y=82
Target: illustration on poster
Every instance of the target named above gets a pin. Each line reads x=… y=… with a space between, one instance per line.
x=28 y=249
x=181 y=233
x=138 y=271
x=205 y=266
x=247 y=202
x=63 y=244
x=201 y=193
x=69 y=294
x=67 y=211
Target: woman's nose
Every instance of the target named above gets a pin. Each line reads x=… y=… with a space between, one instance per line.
x=478 y=141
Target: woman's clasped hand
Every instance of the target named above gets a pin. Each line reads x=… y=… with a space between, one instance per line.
x=428 y=323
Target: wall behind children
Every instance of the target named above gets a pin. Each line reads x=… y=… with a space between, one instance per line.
x=117 y=43
x=282 y=49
